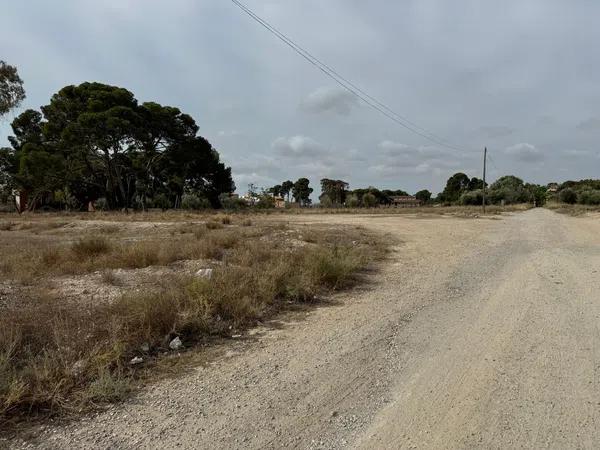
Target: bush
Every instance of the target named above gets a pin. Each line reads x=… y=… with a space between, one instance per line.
x=369 y=200
x=589 y=197
x=325 y=201
x=568 y=195
x=101 y=204
x=86 y=248
x=352 y=201
x=161 y=201
x=192 y=201
x=232 y=203
x=472 y=198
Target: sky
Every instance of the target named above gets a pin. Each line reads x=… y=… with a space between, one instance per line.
x=518 y=76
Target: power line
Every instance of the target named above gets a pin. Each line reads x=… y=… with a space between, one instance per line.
x=346 y=84
x=493 y=163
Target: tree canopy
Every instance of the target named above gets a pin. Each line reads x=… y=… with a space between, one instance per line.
x=12 y=92
x=96 y=141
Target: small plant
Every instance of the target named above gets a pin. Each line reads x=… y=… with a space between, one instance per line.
x=226 y=220
x=109 y=277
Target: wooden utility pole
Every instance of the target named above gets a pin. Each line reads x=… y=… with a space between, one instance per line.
x=484 y=161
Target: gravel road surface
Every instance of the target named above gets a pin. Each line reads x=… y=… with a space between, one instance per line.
x=476 y=333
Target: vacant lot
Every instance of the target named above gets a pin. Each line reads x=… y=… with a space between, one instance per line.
x=89 y=303
x=473 y=333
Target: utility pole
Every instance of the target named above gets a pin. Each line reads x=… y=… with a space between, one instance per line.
x=484 y=161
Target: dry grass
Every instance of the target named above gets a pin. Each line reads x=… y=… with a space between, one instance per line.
x=572 y=210
x=57 y=357
x=461 y=211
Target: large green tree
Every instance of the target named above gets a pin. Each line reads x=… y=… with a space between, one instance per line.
x=286 y=189
x=424 y=196
x=334 y=190
x=301 y=191
x=99 y=142
x=455 y=186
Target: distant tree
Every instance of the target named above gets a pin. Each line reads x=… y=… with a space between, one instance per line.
x=568 y=195
x=286 y=189
x=352 y=201
x=335 y=190
x=475 y=183
x=474 y=197
x=424 y=196
x=510 y=189
x=589 y=197
x=455 y=186
x=325 y=201
x=301 y=191
x=275 y=190
x=369 y=200
x=537 y=194
x=12 y=92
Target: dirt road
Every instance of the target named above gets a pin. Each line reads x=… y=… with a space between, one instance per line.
x=477 y=333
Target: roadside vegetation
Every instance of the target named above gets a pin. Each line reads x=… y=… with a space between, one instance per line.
x=61 y=354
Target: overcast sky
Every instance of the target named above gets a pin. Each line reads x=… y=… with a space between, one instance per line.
x=520 y=76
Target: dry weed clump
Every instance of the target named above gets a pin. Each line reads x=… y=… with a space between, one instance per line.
x=56 y=357
x=212 y=225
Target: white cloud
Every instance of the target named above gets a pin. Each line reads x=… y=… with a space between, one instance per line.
x=299 y=147
x=525 y=152
x=330 y=99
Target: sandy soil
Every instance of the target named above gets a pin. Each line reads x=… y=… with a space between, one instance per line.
x=476 y=333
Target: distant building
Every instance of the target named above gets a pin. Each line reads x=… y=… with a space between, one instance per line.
x=405 y=201
x=279 y=202
x=553 y=187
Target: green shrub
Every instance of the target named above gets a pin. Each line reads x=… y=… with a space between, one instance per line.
x=232 y=203
x=161 y=201
x=568 y=195
x=472 y=197
x=589 y=197
x=352 y=201
x=192 y=201
x=325 y=201
x=369 y=200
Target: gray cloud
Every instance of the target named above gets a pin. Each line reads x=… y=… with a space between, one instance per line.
x=494 y=131
x=525 y=152
x=403 y=159
x=591 y=124
x=330 y=99
x=577 y=153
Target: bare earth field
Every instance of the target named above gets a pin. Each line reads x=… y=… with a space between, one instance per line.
x=474 y=333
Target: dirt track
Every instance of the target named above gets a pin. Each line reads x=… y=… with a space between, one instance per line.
x=477 y=333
